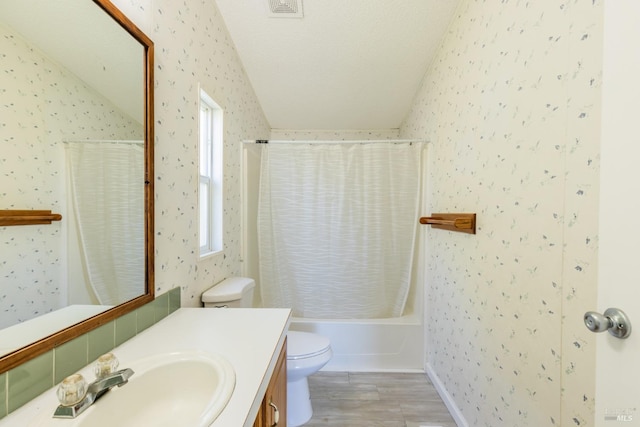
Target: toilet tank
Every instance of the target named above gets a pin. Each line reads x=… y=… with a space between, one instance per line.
x=234 y=292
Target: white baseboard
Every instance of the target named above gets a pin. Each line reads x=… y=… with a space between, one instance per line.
x=446 y=398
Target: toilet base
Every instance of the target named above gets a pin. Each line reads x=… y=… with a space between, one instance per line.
x=299 y=409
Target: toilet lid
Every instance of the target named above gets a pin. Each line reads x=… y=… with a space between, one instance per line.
x=301 y=345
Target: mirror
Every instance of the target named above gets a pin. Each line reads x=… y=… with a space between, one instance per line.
x=76 y=80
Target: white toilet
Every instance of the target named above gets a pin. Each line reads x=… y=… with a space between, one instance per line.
x=307 y=353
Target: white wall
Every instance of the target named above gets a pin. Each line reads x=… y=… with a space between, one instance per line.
x=617 y=375
x=511 y=104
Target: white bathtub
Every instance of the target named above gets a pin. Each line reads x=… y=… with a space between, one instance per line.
x=371 y=345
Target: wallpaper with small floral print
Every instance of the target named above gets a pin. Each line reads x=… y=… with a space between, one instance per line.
x=511 y=105
x=193 y=50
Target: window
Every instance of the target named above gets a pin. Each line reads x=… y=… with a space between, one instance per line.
x=210 y=189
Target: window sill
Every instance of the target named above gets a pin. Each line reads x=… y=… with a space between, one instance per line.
x=208 y=255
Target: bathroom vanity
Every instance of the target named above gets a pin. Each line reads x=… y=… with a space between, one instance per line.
x=273 y=410
x=252 y=340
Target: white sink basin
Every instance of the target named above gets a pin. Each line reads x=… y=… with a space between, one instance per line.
x=176 y=389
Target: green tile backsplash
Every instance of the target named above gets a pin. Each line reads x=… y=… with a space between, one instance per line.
x=29 y=380
x=174 y=299
x=126 y=327
x=19 y=385
x=101 y=340
x=146 y=317
x=68 y=356
x=3 y=395
x=160 y=307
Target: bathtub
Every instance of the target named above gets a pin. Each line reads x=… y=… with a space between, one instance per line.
x=371 y=345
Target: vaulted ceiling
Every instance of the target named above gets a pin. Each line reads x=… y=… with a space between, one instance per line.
x=346 y=64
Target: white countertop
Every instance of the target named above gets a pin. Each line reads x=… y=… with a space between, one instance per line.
x=248 y=338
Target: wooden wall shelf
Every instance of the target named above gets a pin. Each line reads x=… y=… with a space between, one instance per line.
x=461 y=222
x=27 y=217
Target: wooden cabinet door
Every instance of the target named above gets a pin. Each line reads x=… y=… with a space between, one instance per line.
x=276 y=396
x=273 y=411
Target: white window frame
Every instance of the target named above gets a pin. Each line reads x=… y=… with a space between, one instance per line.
x=210 y=149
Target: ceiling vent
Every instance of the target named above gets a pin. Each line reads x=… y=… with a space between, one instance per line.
x=285 y=8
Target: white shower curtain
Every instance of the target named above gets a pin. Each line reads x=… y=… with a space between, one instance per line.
x=107 y=184
x=336 y=227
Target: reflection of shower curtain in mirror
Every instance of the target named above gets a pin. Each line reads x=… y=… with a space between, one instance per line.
x=336 y=227
x=107 y=184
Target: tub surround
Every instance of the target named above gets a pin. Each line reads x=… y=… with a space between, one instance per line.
x=250 y=339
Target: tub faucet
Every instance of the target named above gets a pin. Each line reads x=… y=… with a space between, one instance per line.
x=95 y=390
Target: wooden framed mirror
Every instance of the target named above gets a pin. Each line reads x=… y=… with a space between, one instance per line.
x=105 y=98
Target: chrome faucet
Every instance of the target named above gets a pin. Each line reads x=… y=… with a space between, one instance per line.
x=95 y=390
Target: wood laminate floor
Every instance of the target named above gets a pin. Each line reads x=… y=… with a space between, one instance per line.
x=356 y=399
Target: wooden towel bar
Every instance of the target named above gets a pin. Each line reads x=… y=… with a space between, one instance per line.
x=462 y=222
x=25 y=217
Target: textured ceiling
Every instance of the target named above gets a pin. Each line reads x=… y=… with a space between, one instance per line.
x=347 y=64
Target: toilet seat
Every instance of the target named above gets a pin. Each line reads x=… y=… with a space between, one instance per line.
x=303 y=345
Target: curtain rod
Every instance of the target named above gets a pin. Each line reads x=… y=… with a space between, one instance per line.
x=360 y=141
